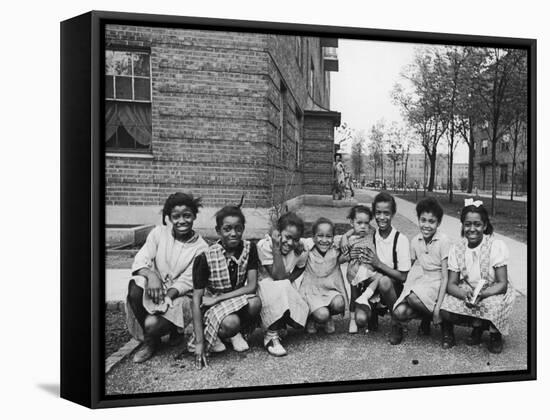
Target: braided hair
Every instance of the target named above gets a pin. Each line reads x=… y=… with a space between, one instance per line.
x=180 y=199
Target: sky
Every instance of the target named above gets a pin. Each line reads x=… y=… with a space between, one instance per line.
x=361 y=88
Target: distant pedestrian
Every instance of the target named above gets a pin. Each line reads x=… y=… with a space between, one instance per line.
x=322 y=285
x=159 y=292
x=479 y=292
x=339 y=177
x=426 y=282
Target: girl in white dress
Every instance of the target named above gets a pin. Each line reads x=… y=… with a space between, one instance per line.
x=478 y=292
x=282 y=260
x=159 y=293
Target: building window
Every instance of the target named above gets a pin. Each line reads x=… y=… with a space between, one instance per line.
x=484 y=147
x=505 y=144
x=128 y=101
x=310 y=79
x=299 y=52
x=503 y=174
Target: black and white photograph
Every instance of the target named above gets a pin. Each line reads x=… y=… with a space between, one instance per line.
x=285 y=209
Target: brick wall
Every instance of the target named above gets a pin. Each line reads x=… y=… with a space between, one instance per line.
x=216 y=118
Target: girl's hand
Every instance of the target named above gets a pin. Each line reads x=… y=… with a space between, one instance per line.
x=344 y=244
x=355 y=253
x=200 y=356
x=372 y=258
x=154 y=288
x=276 y=238
x=208 y=301
x=436 y=316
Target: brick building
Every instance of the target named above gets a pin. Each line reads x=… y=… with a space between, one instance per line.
x=218 y=114
x=483 y=170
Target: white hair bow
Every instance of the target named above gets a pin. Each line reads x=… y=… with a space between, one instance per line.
x=471 y=202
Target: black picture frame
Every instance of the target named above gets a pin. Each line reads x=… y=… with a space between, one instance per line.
x=82 y=227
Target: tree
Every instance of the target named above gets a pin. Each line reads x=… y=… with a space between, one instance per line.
x=495 y=88
x=394 y=140
x=357 y=154
x=343 y=134
x=423 y=104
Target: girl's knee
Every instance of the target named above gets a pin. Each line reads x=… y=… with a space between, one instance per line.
x=135 y=293
x=385 y=284
x=152 y=325
x=229 y=326
x=361 y=318
x=321 y=315
x=446 y=316
x=401 y=313
x=254 y=306
x=337 y=306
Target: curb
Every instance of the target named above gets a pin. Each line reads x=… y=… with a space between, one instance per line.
x=120 y=354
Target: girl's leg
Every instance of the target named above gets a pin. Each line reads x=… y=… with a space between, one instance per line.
x=321 y=315
x=354 y=294
x=362 y=314
x=135 y=300
x=337 y=305
x=154 y=327
x=229 y=326
x=272 y=341
x=447 y=327
x=249 y=314
x=387 y=291
x=403 y=313
x=416 y=304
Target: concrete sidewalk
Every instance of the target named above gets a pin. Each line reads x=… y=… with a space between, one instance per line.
x=517 y=269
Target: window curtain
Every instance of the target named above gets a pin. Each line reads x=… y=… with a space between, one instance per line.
x=134 y=117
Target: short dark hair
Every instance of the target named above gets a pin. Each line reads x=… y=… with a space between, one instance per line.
x=482 y=211
x=321 y=221
x=429 y=205
x=290 y=219
x=384 y=197
x=228 y=211
x=359 y=208
x=337 y=154
x=180 y=199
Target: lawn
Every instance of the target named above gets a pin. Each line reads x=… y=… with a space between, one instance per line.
x=510 y=220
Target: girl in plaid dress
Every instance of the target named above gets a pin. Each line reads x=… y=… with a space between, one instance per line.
x=478 y=291
x=282 y=260
x=159 y=293
x=224 y=282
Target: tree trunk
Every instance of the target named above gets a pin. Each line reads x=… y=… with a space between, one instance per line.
x=394 y=165
x=431 y=179
x=513 y=172
x=494 y=177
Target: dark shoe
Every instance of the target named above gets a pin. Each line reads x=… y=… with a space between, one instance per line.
x=372 y=323
x=425 y=327
x=495 y=342
x=448 y=335
x=475 y=337
x=396 y=335
x=146 y=351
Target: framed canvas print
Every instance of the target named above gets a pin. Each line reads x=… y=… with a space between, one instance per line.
x=273 y=209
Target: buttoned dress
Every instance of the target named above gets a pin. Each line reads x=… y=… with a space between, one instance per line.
x=424 y=277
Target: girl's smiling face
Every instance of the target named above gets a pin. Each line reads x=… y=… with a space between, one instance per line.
x=473 y=228
x=290 y=237
x=182 y=219
x=231 y=232
x=361 y=223
x=428 y=224
x=323 y=237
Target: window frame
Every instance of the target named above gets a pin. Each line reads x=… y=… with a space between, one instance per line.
x=118 y=151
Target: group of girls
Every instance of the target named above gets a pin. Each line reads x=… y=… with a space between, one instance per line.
x=231 y=287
